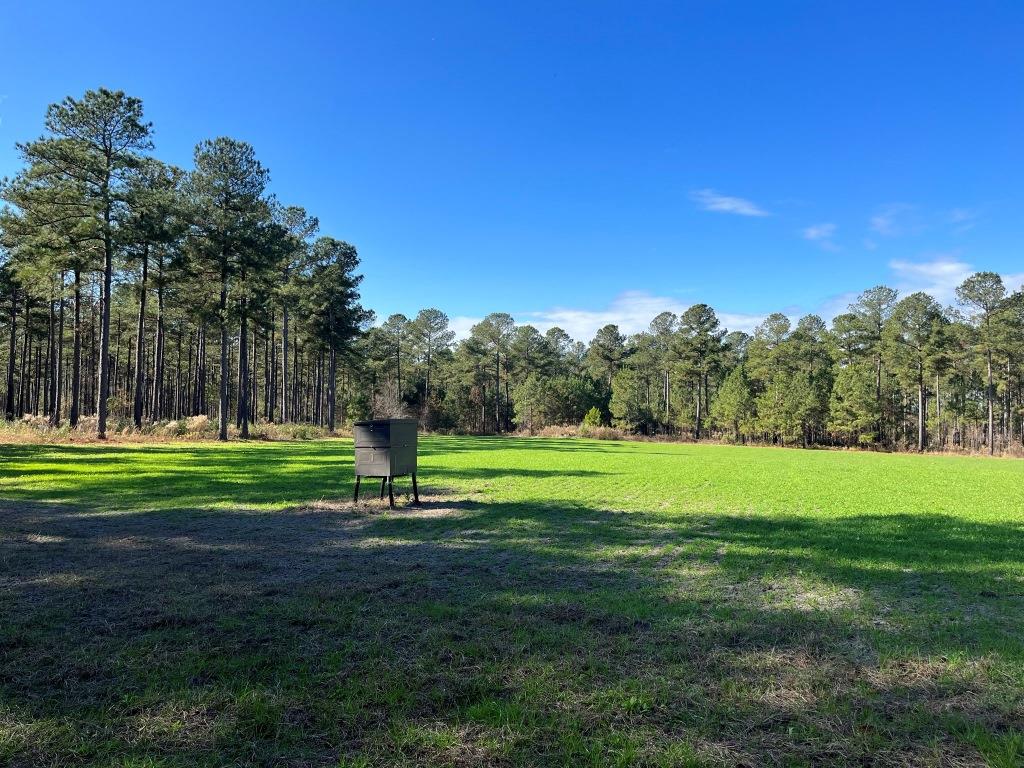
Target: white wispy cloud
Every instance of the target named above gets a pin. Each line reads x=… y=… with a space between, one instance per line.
x=822 y=234
x=740 y=321
x=836 y=305
x=940 y=275
x=820 y=231
x=461 y=325
x=1014 y=281
x=896 y=219
x=963 y=219
x=710 y=200
x=631 y=311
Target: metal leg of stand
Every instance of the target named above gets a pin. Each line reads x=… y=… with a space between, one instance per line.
x=383 y=483
x=415 y=491
x=391 y=493
x=355 y=496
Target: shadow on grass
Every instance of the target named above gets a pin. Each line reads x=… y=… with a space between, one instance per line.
x=488 y=633
x=147 y=477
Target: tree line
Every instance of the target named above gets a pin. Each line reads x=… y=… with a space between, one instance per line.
x=136 y=292
x=140 y=290
x=891 y=372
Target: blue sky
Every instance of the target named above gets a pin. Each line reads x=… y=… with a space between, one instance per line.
x=582 y=163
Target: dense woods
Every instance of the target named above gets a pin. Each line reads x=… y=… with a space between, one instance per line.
x=136 y=293
x=144 y=293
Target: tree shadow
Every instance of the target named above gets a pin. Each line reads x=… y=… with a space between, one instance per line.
x=190 y=476
x=543 y=633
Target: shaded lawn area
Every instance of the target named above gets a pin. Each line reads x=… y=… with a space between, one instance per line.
x=554 y=602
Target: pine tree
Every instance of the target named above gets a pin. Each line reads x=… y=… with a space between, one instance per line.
x=733 y=406
x=913 y=340
x=984 y=293
x=228 y=212
x=82 y=167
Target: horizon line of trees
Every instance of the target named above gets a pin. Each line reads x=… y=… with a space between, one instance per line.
x=891 y=372
x=135 y=292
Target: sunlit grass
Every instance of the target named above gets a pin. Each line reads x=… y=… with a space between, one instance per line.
x=554 y=602
x=649 y=477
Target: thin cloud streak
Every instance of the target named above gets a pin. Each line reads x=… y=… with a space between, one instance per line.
x=710 y=200
x=820 y=231
x=963 y=220
x=895 y=220
x=822 y=234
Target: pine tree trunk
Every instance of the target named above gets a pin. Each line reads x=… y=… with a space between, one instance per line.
x=48 y=372
x=140 y=344
x=38 y=373
x=267 y=378
x=177 y=380
x=76 y=355
x=104 y=355
x=667 y=398
x=991 y=413
x=332 y=385
x=157 y=409
x=697 y=424
x=707 y=395
x=116 y=363
x=272 y=370
x=294 y=394
x=426 y=385
x=12 y=348
x=286 y=412
x=243 y=372
x=26 y=359
x=225 y=371
x=254 y=378
x=200 y=391
x=1007 y=416
x=189 y=394
x=93 y=399
x=920 y=413
x=318 y=385
x=198 y=404
x=878 y=397
x=58 y=372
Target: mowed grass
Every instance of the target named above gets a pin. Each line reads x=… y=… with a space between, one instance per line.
x=552 y=603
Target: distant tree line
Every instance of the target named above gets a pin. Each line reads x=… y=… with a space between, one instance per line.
x=137 y=292
x=898 y=373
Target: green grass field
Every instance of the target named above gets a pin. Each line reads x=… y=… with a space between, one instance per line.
x=552 y=603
